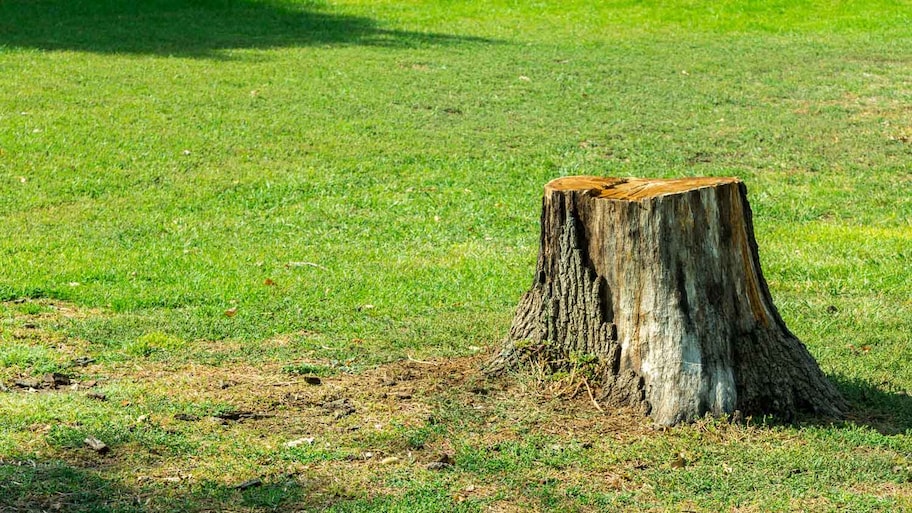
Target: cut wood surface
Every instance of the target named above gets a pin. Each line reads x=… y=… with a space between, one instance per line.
x=660 y=281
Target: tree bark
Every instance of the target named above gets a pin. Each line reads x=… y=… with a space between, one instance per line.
x=659 y=281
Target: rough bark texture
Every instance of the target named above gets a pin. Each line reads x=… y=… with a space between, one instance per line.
x=660 y=281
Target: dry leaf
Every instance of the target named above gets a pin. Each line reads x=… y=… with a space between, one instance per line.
x=231 y=312
x=679 y=462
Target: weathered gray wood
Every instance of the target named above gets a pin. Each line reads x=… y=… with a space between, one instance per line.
x=660 y=280
x=96 y=445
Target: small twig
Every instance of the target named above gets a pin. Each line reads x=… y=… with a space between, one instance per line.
x=284 y=383
x=250 y=483
x=420 y=361
x=302 y=264
x=559 y=389
x=591 y=397
x=578 y=385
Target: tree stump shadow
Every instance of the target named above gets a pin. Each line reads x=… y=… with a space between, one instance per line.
x=875 y=406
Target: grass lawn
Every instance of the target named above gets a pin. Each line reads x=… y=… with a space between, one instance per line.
x=205 y=203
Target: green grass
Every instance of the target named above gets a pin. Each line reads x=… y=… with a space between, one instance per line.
x=361 y=182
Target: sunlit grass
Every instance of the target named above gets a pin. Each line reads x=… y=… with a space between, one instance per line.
x=211 y=199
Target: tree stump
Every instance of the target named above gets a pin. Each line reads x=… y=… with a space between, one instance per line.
x=659 y=281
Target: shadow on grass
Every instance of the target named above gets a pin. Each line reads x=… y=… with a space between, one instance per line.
x=30 y=486
x=870 y=406
x=886 y=412
x=40 y=486
x=195 y=28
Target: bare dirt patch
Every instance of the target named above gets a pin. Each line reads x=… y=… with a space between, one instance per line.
x=337 y=435
x=404 y=393
x=28 y=338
